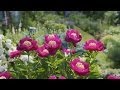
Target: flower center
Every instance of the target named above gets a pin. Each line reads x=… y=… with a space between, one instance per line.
x=74 y=34
x=92 y=44
x=80 y=65
x=51 y=36
x=45 y=51
x=27 y=43
x=52 y=43
x=2 y=77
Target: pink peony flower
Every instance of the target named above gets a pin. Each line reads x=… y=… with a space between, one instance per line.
x=112 y=76
x=50 y=37
x=14 y=54
x=62 y=77
x=93 y=45
x=53 y=77
x=42 y=51
x=101 y=46
x=5 y=75
x=27 y=44
x=73 y=36
x=80 y=67
x=52 y=43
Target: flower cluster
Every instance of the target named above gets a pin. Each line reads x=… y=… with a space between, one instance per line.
x=28 y=46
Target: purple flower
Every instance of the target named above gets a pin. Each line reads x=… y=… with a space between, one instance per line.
x=27 y=44
x=50 y=37
x=5 y=75
x=15 y=53
x=79 y=67
x=53 y=77
x=93 y=45
x=52 y=43
x=73 y=36
x=113 y=76
x=42 y=51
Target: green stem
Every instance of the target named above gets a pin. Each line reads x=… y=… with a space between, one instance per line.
x=28 y=56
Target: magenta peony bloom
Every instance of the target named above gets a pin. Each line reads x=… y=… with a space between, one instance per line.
x=112 y=76
x=93 y=45
x=42 y=51
x=5 y=75
x=50 y=37
x=52 y=43
x=61 y=77
x=101 y=46
x=27 y=44
x=53 y=77
x=79 y=67
x=15 y=53
x=73 y=36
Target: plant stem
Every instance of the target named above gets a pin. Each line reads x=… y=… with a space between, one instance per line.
x=28 y=56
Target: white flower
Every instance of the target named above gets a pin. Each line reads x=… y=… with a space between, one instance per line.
x=8 y=41
x=2 y=57
x=3 y=67
x=1 y=36
x=24 y=58
x=1 y=51
x=1 y=46
x=9 y=45
x=0 y=40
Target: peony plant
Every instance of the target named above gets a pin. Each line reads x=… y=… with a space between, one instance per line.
x=51 y=60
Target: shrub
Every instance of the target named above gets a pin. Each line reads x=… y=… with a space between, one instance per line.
x=86 y=23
